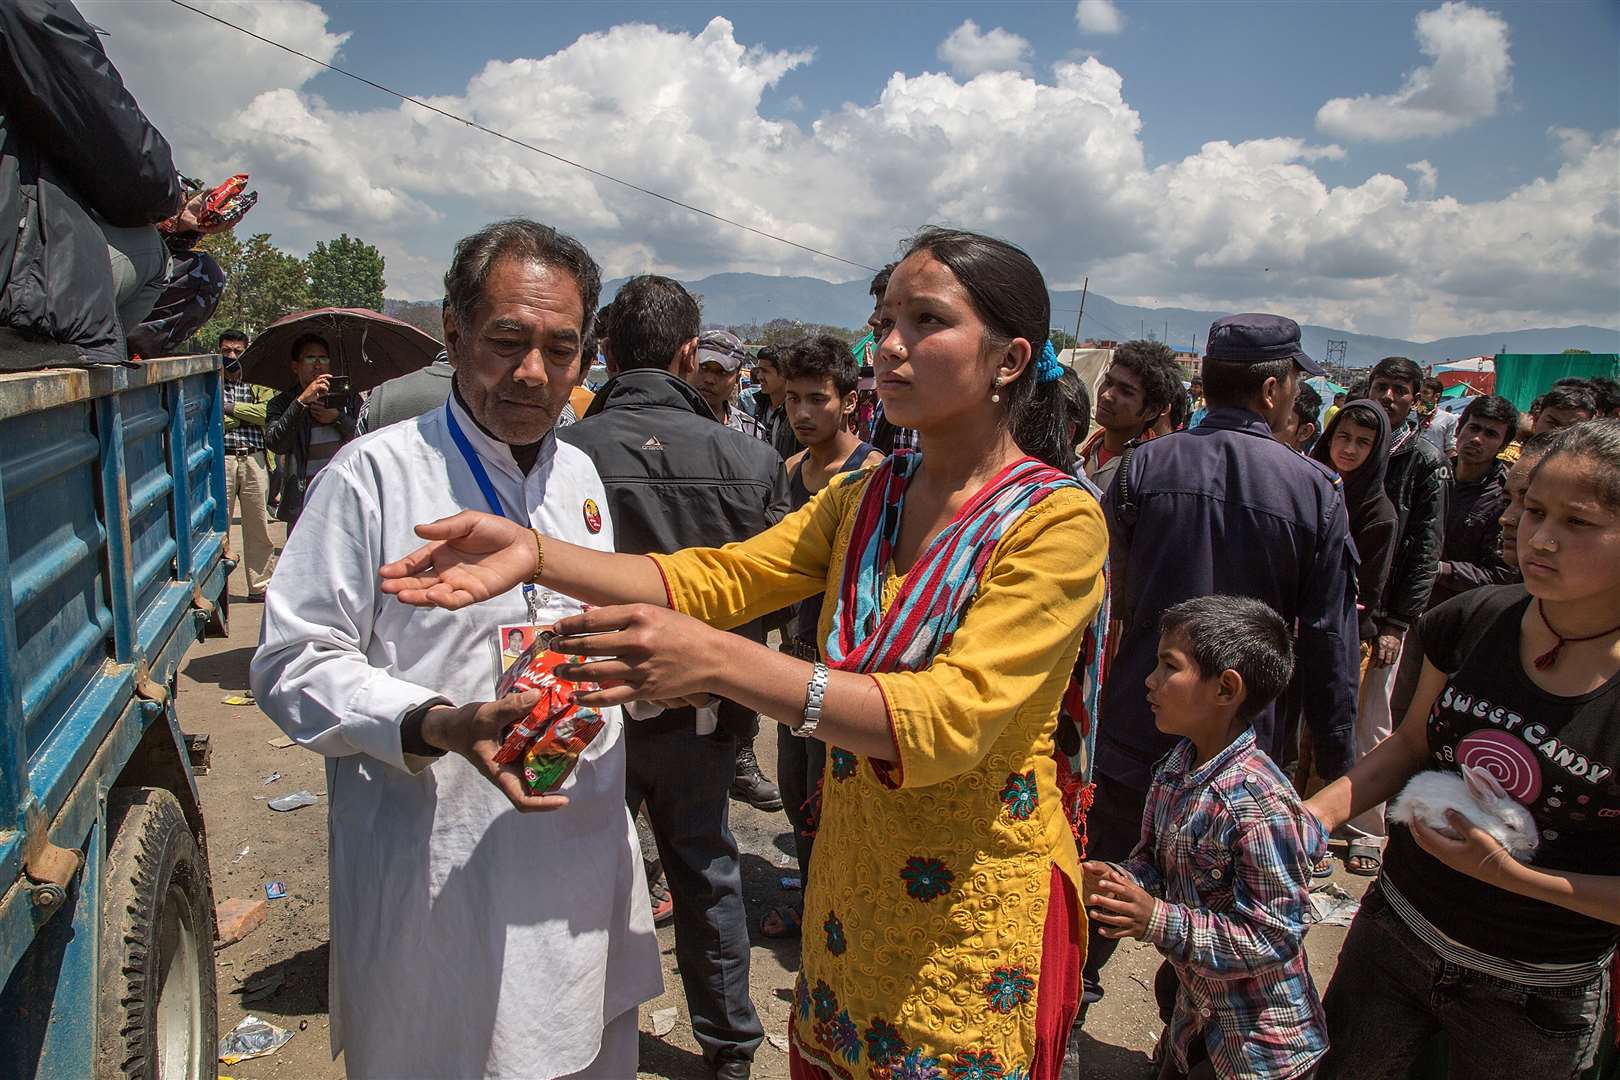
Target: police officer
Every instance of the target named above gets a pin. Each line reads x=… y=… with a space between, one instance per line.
x=1224 y=508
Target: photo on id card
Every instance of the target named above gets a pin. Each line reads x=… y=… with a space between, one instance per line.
x=513 y=640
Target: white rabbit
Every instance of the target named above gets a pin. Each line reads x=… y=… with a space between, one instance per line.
x=1477 y=796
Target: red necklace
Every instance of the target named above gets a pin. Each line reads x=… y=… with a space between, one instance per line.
x=1550 y=657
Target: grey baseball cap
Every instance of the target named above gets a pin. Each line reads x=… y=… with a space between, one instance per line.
x=722 y=348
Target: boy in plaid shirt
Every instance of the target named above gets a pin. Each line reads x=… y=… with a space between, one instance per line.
x=1220 y=881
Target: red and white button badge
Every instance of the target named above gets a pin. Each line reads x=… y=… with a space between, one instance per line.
x=593 y=516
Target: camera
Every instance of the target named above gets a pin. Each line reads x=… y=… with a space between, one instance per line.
x=337 y=388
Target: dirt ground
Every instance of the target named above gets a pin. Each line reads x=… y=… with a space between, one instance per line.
x=279 y=972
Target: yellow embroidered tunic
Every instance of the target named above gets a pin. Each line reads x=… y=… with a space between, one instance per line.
x=926 y=904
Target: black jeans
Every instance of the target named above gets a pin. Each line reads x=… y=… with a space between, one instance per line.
x=1392 y=994
x=1113 y=829
x=800 y=764
x=685 y=781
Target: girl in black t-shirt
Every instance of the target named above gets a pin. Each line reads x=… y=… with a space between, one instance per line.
x=1509 y=959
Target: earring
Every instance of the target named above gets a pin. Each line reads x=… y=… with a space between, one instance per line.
x=995 y=394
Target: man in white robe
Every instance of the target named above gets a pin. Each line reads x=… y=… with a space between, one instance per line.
x=468 y=938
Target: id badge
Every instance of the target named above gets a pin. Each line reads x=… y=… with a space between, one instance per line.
x=512 y=641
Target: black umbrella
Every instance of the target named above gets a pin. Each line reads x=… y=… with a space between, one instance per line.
x=367 y=347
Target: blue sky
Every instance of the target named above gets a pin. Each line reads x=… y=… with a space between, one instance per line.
x=1308 y=156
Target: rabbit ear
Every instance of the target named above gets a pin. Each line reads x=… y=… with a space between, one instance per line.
x=1481 y=784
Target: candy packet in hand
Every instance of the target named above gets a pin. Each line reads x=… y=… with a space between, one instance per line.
x=557 y=730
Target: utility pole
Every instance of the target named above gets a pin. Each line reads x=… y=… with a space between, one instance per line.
x=1141 y=328
x=1085 y=287
x=1167 y=331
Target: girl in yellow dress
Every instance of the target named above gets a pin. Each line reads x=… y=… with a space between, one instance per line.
x=943 y=929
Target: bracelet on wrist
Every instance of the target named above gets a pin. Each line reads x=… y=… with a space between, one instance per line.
x=539 y=556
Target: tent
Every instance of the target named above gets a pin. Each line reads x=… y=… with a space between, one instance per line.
x=1477 y=375
x=1522 y=377
x=1088 y=364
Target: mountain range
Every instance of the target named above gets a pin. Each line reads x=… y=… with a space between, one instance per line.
x=741 y=299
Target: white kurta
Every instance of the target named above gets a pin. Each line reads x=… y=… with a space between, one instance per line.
x=467 y=939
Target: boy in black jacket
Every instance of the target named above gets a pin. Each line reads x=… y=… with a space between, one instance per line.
x=1417 y=482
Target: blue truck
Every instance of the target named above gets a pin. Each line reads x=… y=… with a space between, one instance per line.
x=112 y=541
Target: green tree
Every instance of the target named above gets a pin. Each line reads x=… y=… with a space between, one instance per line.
x=263 y=283
x=1062 y=339
x=346 y=272
x=1577 y=352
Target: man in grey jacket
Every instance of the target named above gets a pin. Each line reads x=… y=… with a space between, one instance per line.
x=675 y=478
x=408 y=396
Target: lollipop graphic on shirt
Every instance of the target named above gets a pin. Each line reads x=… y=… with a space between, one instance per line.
x=1508 y=759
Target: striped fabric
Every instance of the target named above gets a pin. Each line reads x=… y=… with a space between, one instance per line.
x=920 y=622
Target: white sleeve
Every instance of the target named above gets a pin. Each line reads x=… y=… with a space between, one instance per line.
x=311 y=673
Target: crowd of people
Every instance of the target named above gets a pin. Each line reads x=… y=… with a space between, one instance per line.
x=1038 y=688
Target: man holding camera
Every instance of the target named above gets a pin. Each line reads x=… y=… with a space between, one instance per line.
x=310 y=424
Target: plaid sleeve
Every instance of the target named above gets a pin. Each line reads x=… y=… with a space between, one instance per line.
x=1265 y=926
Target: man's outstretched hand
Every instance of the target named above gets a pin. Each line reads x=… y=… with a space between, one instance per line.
x=469 y=558
x=475 y=732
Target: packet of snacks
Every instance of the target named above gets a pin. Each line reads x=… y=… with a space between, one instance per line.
x=557 y=730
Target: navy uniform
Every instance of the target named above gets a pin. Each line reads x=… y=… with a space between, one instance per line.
x=1222 y=508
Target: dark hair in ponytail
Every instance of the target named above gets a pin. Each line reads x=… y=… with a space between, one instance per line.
x=1009 y=294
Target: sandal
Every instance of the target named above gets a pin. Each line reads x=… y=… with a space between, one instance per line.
x=1363 y=858
x=663 y=904
x=780 y=923
x=1322 y=870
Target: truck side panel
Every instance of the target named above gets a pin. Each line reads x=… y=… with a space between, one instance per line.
x=112 y=524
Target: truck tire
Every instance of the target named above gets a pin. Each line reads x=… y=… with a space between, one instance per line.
x=157 y=1014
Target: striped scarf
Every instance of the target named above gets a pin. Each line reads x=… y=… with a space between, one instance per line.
x=937 y=590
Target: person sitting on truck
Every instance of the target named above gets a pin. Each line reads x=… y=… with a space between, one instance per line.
x=309 y=424
x=84 y=177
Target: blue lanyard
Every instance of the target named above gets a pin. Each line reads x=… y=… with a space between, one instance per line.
x=480 y=474
x=491 y=496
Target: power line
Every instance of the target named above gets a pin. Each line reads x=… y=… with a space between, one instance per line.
x=519 y=142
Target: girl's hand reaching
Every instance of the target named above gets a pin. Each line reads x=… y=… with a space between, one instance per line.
x=470 y=557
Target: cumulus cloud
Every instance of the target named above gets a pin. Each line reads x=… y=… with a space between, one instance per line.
x=1099 y=17
x=1055 y=163
x=970 y=51
x=193 y=76
x=1428 y=176
x=1465 y=84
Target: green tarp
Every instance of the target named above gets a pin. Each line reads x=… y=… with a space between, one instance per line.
x=1522 y=377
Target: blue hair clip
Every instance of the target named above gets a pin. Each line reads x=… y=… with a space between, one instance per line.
x=1047 y=367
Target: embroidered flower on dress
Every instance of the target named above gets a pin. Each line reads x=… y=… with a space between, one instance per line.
x=1020 y=795
x=1008 y=988
x=835 y=935
x=825 y=1001
x=883 y=1042
x=916 y=1067
x=926 y=879
x=803 y=998
x=1018 y=1073
x=840 y=1035
x=985 y=1066
x=843 y=764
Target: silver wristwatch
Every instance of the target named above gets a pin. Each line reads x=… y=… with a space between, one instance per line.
x=812 y=702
